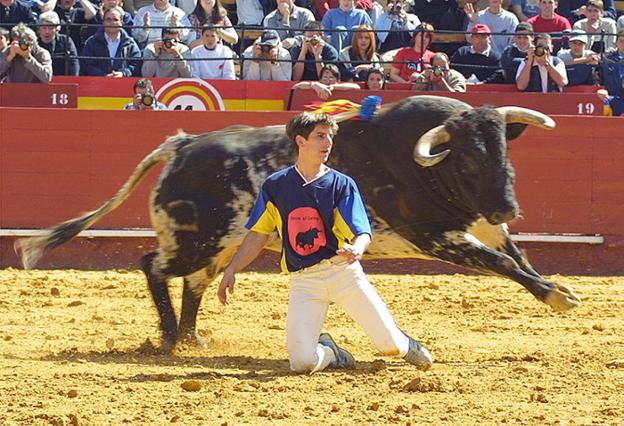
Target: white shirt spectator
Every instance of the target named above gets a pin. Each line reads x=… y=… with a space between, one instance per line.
x=158 y=19
x=557 y=64
x=266 y=70
x=220 y=65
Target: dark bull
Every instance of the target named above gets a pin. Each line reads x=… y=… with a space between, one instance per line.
x=433 y=171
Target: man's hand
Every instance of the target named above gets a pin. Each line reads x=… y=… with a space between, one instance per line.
x=273 y=55
x=147 y=20
x=174 y=20
x=226 y=286
x=470 y=12
x=16 y=50
x=284 y=9
x=115 y=74
x=350 y=253
x=323 y=91
x=257 y=51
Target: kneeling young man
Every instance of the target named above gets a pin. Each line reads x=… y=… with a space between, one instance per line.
x=321 y=219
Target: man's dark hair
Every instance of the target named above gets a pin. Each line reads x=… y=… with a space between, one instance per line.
x=313 y=26
x=332 y=68
x=143 y=83
x=211 y=27
x=303 y=124
x=170 y=31
x=5 y=33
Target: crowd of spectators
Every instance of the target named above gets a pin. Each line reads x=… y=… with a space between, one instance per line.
x=538 y=46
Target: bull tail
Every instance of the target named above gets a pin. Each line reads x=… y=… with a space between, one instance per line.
x=32 y=249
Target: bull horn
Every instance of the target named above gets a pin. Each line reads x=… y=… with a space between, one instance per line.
x=514 y=114
x=428 y=141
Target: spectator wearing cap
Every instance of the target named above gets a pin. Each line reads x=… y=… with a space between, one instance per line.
x=497 y=19
x=14 y=11
x=600 y=30
x=395 y=26
x=517 y=51
x=341 y=20
x=167 y=57
x=288 y=19
x=573 y=10
x=266 y=59
x=62 y=49
x=410 y=62
x=479 y=63
x=550 y=22
x=540 y=71
x=579 y=61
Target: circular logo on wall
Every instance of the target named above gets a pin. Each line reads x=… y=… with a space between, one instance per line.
x=190 y=94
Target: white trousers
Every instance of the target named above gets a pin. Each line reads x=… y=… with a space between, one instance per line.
x=311 y=291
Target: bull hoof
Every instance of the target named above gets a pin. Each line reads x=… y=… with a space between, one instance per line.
x=562 y=298
x=193 y=339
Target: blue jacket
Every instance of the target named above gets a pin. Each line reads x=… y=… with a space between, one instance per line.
x=96 y=47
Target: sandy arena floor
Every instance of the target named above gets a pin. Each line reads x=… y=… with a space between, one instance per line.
x=74 y=349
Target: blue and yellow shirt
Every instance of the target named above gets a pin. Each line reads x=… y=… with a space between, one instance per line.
x=313 y=219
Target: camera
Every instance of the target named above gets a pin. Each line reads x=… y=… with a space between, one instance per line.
x=168 y=42
x=439 y=71
x=539 y=51
x=265 y=48
x=147 y=99
x=24 y=44
x=396 y=9
x=314 y=40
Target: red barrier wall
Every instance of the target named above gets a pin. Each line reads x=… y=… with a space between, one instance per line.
x=568 y=181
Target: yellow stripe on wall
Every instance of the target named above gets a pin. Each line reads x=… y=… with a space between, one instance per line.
x=101 y=102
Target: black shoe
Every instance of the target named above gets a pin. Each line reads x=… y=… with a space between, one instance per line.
x=343 y=359
x=418 y=355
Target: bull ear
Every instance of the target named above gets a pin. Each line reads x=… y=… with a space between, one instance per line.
x=422 y=150
x=514 y=130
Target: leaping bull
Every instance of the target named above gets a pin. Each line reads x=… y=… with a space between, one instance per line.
x=433 y=171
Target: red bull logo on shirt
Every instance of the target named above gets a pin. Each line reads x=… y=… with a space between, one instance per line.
x=306 y=231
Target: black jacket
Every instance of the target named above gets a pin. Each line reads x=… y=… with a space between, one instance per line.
x=64 y=55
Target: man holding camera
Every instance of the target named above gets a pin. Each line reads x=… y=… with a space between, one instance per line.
x=310 y=52
x=540 y=71
x=394 y=27
x=144 y=98
x=266 y=59
x=439 y=77
x=167 y=57
x=24 y=61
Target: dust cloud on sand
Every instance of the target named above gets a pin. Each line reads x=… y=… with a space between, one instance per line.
x=79 y=348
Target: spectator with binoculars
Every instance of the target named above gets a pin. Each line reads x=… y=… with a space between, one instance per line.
x=541 y=71
x=144 y=98
x=440 y=77
x=61 y=47
x=266 y=59
x=167 y=57
x=23 y=60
